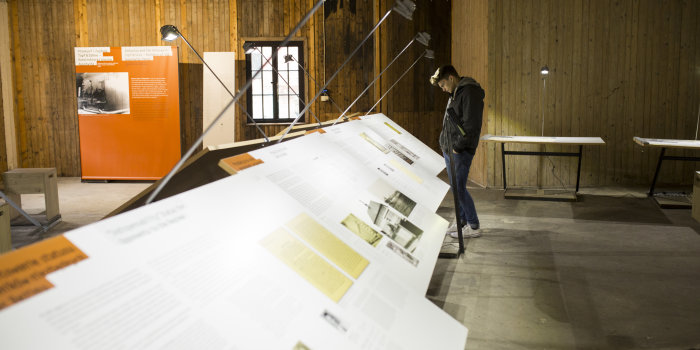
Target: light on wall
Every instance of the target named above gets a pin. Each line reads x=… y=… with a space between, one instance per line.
x=169 y=32
x=544 y=70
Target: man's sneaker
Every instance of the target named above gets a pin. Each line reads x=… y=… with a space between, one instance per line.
x=451 y=228
x=467 y=232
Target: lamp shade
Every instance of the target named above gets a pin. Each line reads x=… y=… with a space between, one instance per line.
x=423 y=38
x=169 y=32
x=405 y=8
x=544 y=70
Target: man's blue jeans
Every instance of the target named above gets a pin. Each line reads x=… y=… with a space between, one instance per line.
x=463 y=162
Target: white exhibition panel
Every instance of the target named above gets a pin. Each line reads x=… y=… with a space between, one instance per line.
x=215 y=97
x=668 y=143
x=237 y=264
x=334 y=176
x=424 y=156
x=413 y=180
x=544 y=139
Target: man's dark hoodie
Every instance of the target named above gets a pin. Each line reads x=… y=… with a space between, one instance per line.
x=464 y=111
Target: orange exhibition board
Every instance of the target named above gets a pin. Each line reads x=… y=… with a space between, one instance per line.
x=128 y=111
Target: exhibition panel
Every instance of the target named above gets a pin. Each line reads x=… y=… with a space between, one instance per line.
x=319 y=242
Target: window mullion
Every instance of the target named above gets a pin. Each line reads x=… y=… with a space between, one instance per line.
x=275 y=80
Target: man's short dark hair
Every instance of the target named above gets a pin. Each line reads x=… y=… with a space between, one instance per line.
x=443 y=72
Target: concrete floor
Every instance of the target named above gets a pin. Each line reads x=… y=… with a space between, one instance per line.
x=79 y=203
x=611 y=271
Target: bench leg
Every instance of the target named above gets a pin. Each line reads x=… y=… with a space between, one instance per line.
x=51 y=197
x=17 y=198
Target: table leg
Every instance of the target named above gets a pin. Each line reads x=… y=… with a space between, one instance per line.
x=503 y=162
x=578 y=171
x=656 y=174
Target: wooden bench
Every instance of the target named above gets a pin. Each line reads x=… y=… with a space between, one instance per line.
x=33 y=180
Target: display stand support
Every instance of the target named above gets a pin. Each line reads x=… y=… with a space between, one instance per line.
x=455 y=196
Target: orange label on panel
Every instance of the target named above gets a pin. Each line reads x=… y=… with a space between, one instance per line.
x=237 y=163
x=320 y=131
x=23 y=271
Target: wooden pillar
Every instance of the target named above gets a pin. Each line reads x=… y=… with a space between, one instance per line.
x=8 y=100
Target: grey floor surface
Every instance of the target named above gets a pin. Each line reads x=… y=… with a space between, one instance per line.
x=80 y=203
x=611 y=271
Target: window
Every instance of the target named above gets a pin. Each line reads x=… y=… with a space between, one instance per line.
x=277 y=93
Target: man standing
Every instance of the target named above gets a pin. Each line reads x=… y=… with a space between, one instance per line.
x=461 y=128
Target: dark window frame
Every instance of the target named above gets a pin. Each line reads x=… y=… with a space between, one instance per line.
x=276 y=80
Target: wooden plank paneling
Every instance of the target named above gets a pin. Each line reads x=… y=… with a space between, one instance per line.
x=618 y=69
x=8 y=157
x=469 y=56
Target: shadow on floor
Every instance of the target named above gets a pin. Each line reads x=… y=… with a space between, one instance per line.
x=588 y=207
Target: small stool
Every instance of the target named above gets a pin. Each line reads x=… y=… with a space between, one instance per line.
x=5 y=235
x=33 y=180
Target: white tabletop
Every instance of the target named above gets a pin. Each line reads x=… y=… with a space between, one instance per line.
x=544 y=139
x=668 y=143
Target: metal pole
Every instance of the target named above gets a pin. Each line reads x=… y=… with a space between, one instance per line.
x=20 y=210
x=375 y=79
x=544 y=91
x=316 y=83
x=224 y=85
x=238 y=95
x=397 y=81
x=286 y=82
x=334 y=74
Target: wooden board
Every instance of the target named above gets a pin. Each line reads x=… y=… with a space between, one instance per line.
x=216 y=98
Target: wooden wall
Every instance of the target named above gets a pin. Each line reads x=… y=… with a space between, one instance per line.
x=470 y=58
x=619 y=68
x=44 y=33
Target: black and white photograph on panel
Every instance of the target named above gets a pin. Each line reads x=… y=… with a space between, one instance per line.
x=103 y=93
x=404 y=150
x=402 y=253
x=394 y=198
x=362 y=229
x=394 y=225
